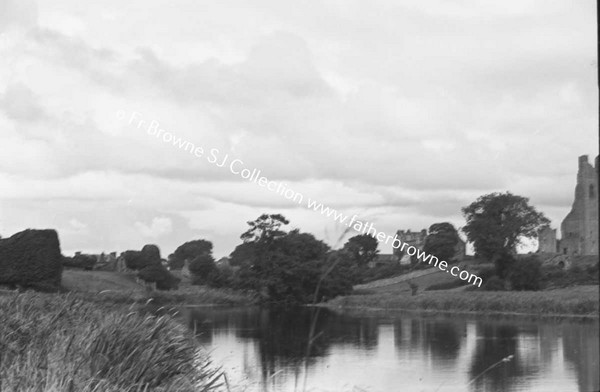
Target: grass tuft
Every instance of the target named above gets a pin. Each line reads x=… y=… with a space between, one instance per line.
x=66 y=343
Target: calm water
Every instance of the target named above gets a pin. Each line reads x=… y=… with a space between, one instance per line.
x=264 y=350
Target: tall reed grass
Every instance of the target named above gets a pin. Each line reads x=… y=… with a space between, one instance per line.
x=52 y=343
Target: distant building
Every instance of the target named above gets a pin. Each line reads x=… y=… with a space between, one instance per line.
x=579 y=229
x=460 y=250
x=547 y=242
x=417 y=239
x=411 y=238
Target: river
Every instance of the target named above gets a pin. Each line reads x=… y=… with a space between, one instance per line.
x=266 y=350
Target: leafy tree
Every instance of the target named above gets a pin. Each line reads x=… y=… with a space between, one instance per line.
x=175 y=263
x=265 y=229
x=287 y=268
x=362 y=248
x=191 y=250
x=201 y=267
x=157 y=273
x=441 y=241
x=149 y=266
x=137 y=260
x=497 y=222
x=244 y=253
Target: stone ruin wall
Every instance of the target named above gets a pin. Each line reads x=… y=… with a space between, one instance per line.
x=579 y=229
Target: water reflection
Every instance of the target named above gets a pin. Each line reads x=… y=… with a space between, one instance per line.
x=264 y=350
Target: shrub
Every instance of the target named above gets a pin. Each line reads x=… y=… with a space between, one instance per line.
x=526 y=274
x=221 y=277
x=556 y=277
x=31 y=258
x=201 y=267
x=504 y=264
x=137 y=260
x=150 y=267
x=493 y=284
x=175 y=263
x=157 y=273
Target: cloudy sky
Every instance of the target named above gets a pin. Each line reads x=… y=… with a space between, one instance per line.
x=399 y=111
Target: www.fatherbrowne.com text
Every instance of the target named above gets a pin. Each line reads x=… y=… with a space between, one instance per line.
x=236 y=166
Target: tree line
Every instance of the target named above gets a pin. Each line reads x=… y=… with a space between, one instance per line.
x=288 y=266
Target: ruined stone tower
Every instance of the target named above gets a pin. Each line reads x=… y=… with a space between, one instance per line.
x=579 y=229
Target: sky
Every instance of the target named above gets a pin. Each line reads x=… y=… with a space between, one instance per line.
x=400 y=112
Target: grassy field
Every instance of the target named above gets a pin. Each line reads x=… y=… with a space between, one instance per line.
x=96 y=281
x=115 y=287
x=579 y=300
x=61 y=342
x=422 y=282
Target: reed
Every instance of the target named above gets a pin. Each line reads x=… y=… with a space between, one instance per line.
x=61 y=343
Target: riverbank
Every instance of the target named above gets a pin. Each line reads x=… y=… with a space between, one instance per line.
x=115 y=287
x=64 y=342
x=579 y=301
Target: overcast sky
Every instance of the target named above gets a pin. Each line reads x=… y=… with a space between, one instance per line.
x=399 y=111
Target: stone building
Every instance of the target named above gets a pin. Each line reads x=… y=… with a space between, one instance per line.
x=417 y=239
x=411 y=238
x=579 y=229
x=547 y=242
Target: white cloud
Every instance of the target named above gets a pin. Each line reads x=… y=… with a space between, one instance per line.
x=406 y=110
x=159 y=227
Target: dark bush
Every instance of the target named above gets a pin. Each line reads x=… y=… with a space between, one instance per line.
x=150 y=268
x=175 y=263
x=493 y=284
x=556 y=277
x=31 y=258
x=504 y=265
x=137 y=260
x=485 y=273
x=221 y=277
x=526 y=274
x=157 y=273
x=201 y=267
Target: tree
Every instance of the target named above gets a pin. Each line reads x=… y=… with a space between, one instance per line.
x=149 y=266
x=362 y=248
x=497 y=222
x=137 y=260
x=441 y=241
x=201 y=267
x=188 y=251
x=287 y=268
x=244 y=253
x=175 y=263
x=157 y=273
x=265 y=229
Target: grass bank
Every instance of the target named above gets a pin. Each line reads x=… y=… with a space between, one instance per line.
x=58 y=342
x=575 y=301
x=115 y=287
